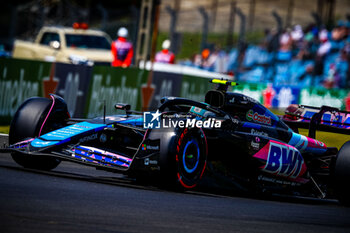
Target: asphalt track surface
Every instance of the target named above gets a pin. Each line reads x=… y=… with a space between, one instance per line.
x=75 y=198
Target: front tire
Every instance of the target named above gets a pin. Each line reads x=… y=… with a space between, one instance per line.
x=184 y=158
x=191 y=157
x=32 y=118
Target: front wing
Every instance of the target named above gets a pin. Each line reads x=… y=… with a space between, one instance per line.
x=85 y=148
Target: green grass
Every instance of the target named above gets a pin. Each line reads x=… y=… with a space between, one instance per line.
x=4 y=129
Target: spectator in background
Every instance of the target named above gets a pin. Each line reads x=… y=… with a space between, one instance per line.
x=313 y=57
x=165 y=56
x=297 y=34
x=325 y=45
x=338 y=36
x=122 y=49
x=272 y=39
x=285 y=51
x=337 y=71
x=200 y=60
x=347 y=51
x=298 y=39
x=321 y=53
x=206 y=60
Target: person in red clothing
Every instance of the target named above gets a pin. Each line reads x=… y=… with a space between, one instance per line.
x=165 y=56
x=122 y=49
x=268 y=95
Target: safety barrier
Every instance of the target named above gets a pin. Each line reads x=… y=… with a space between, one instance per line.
x=86 y=89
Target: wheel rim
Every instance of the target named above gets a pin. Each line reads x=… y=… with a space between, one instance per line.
x=190 y=156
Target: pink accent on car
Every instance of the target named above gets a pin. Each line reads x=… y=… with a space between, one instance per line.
x=22 y=144
x=103 y=152
x=53 y=103
x=25 y=141
x=315 y=143
x=263 y=152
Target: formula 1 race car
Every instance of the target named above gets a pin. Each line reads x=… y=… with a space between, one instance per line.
x=229 y=134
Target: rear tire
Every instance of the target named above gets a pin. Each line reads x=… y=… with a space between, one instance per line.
x=342 y=174
x=28 y=123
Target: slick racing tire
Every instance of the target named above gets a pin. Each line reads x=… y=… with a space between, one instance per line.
x=35 y=116
x=187 y=158
x=342 y=174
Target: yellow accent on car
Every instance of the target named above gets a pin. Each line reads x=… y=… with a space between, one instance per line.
x=223 y=82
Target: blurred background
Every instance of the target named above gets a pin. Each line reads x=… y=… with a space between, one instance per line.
x=292 y=42
x=280 y=51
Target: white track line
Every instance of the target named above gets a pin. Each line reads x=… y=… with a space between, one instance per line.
x=2 y=134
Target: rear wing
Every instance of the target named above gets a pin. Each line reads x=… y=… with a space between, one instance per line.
x=325 y=118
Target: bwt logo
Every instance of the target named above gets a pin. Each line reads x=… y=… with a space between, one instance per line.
x=151 y=120
x=284 y=161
